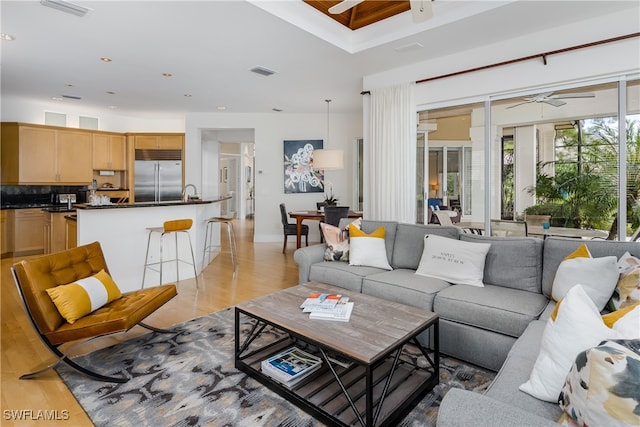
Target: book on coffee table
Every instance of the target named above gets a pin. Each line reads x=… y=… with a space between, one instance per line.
x=291 y=366
x=340 y=313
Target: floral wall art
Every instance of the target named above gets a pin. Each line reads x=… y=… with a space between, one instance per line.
x=299 y=175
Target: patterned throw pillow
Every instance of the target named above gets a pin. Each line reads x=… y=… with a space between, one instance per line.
x=337 y=240
x=602 y=386
x=84 y=296
x=627 y=291
x=598 y=276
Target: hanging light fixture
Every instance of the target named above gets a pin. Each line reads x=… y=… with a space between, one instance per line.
x=328 y=159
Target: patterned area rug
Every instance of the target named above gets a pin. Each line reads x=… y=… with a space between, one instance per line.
x=187 y=378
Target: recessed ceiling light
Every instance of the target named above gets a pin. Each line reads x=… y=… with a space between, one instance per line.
x=110 y=92
x=7 y=37
x=105 y=59
x=56 y=98
x=263 y=71
x=65 y=6
x=167 y=75
x=222 y=108
x=188 y=95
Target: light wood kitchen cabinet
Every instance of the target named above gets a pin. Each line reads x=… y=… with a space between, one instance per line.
x=28 y=231
x=169 y=141
x=33 y=154
x=109 y=152
x=71 y=233
x=6 y=231
x=55 y=232
x=74 y=157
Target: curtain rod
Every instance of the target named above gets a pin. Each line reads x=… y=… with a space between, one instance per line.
x=543 y=55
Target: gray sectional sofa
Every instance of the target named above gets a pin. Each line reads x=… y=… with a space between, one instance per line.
x=498 y=326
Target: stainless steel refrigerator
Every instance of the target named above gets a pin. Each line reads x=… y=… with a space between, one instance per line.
x=158 y=175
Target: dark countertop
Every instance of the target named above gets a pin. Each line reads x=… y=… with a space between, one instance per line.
x=56 y=209
x=150 y=204
x=43 y=206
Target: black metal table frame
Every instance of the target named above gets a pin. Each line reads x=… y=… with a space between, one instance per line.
x=429 y=384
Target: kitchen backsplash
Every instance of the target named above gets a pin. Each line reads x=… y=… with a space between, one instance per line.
x=17 y=195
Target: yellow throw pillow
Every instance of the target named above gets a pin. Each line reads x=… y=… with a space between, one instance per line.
x=598 y=276
x=84 y=296
x=368 y=249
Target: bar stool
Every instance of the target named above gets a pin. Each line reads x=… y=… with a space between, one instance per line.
x=222 y=219
x=170 y=227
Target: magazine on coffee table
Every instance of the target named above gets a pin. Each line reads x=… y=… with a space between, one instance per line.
x=291 y=366
x=317 y=300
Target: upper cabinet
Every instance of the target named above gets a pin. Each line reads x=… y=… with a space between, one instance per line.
x=167 y=141
x=32 y=154
x=109 y=152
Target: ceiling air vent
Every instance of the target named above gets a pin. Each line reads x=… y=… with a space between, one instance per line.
x=262 y=71
x=65 y=6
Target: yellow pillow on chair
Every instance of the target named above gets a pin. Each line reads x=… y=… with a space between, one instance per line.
x=84 y=296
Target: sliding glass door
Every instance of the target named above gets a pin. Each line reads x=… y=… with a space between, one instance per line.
x=561 y=152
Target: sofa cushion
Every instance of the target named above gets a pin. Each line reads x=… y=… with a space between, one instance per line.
x=494 y=308
x=511 y=262
x=403 y=286
x=341 y=274
x=410 y=239
x=516 y=370
x=557 y=248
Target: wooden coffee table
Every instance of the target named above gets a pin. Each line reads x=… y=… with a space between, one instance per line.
x=383 y=383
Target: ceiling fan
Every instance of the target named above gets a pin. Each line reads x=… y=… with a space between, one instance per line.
x=551 y=99
x=421 y=10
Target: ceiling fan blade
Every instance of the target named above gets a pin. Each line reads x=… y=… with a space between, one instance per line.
x=421 y=10
x=554 y=102
x=343 y=6
x=574 y=95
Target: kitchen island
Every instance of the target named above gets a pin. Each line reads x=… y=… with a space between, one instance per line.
x=122 y=232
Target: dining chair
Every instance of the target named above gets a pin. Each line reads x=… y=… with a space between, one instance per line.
x=291 y=229
x=503 y=228
x=333 y=214
x=443 y=217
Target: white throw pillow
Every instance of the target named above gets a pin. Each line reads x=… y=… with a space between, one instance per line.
x=453 y=260
x=598 y=276
x=368 y=249
x=575 y=326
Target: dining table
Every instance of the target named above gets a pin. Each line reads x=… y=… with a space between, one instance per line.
x=540 y=231
x=313 y=215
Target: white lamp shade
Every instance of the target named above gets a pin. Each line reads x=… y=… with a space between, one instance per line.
x=328 y=159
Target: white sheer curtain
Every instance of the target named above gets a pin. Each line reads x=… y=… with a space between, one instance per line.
x=390 y=155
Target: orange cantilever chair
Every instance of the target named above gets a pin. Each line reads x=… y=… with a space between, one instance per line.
x=34 y=276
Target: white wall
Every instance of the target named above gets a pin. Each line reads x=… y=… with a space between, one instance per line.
x=270 y=130
x=32 y=111
x=617 y=58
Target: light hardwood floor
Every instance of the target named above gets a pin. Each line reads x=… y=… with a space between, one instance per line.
x=262 y=269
